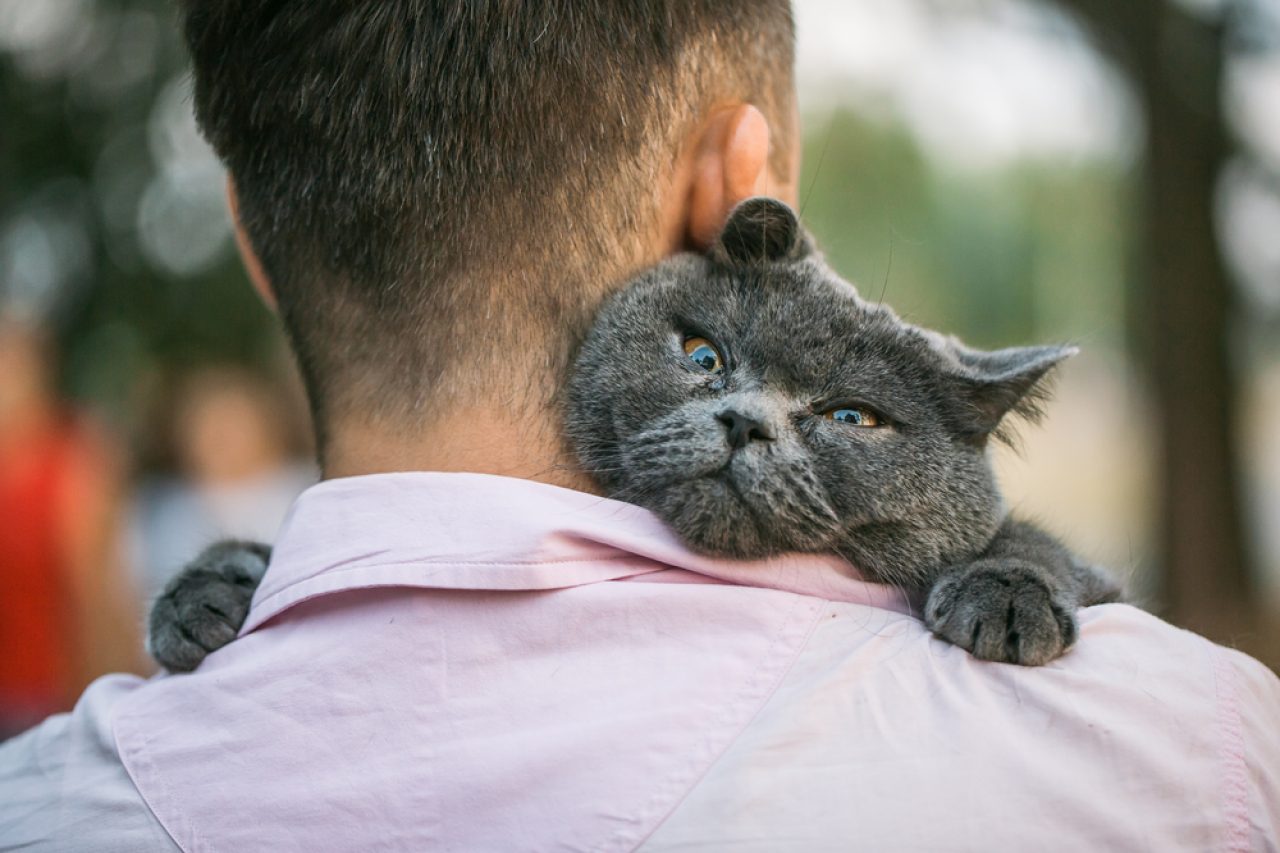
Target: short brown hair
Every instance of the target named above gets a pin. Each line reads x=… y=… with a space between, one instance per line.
x=420 y=175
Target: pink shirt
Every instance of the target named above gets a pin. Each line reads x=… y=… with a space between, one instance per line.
x=473 y=663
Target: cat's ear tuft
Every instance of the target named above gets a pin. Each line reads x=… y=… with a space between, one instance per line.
x=995 y=384
x=761 y=230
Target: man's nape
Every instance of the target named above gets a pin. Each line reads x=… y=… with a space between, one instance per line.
x=512 y=427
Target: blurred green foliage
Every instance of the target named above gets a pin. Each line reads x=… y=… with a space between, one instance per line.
x=83 y=142
x=1000 y=258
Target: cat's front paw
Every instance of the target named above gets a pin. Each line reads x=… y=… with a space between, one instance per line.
x=1001 y=610
x=204 y=605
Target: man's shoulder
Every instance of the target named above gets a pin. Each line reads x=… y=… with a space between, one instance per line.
x=1115 y=640
x=1126 y=666
x=800 y=723
x=1121 y=642
x=1143 y=736
x=63 y=786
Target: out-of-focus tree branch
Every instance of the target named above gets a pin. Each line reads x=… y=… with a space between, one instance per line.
x=1183 y=303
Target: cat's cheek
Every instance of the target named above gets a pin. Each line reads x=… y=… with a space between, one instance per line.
x=673 y=450
x=865 y=486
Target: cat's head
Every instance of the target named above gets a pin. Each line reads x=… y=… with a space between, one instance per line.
x=757 y=404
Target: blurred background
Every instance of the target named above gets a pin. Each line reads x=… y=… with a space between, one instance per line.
x=1008 y=170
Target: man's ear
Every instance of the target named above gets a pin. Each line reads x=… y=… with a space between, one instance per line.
x=730 y=164
x=252 y=265
x=760 y=230
x=992 y=385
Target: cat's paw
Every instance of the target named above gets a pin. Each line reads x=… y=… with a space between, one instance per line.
x=204 y=605
x=1001 y=610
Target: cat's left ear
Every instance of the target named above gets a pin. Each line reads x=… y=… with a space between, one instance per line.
x=761 y=230
x=1002 y=382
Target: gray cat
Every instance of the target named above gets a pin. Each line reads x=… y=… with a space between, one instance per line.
x=752 y=400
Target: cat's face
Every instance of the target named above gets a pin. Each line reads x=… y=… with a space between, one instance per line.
x=757 y=404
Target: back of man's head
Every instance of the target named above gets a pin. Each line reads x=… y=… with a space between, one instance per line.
x=441 y=191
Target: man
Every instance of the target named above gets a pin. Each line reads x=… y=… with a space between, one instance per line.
x=436 y=195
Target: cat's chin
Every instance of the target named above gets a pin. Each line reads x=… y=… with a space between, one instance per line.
x=712 y=518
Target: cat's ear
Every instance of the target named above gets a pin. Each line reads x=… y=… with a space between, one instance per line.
x=761 y=230
x=995 y=384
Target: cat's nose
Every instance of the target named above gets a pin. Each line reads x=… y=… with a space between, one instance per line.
x=742 y=429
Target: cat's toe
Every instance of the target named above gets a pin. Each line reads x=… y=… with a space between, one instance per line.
x=1001 y=612
x=1036 y=629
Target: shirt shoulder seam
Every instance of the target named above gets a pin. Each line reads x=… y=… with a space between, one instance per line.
x=817 y=608
x=1231 y=751
x=137 y=762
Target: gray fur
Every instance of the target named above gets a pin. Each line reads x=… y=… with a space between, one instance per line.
x=204 y=605
x=743 y=463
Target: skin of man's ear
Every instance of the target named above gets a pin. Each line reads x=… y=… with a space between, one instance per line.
x=729 y=162
x=253 y=266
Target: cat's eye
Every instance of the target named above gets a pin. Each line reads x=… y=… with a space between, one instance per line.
x=704 y=354
x=858 y=416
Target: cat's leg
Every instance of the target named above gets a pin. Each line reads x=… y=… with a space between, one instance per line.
x=1016 y=602
x=204 y=605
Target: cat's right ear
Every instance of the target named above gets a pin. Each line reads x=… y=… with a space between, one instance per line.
x=993 y=385
x=761 y=230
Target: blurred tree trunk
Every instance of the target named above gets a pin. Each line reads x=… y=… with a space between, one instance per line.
x=1182 y=305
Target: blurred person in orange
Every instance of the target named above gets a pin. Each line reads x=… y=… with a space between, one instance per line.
x=67 y=613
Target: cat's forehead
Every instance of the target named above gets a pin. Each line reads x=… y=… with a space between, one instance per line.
x=800 y=316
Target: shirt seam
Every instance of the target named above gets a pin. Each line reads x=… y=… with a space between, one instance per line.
x=514 y=564
x=818 y=607
x=136 y=762
x=1234 y=781
x=500 y=564
x=326 y=582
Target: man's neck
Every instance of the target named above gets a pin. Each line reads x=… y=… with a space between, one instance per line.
x=475 y=440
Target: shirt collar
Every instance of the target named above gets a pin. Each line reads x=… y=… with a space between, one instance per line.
x=482 y=532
